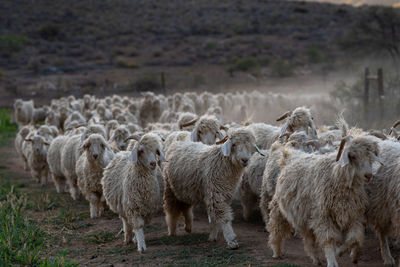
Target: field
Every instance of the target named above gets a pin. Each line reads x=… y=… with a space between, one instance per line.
x=58 y=231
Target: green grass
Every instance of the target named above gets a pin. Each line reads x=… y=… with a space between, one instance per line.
x=244 y=64
x=10 y=43
x=21 y=240
x=7 y=129
x=100 y=237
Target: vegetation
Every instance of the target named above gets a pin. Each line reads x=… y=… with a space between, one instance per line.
x=12 y=43
x=20 y=237
x=7 y=128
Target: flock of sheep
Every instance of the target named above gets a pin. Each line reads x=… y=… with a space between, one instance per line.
x=138 y=156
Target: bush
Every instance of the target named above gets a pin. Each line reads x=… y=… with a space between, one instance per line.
x=50 y=32
x=282 y=68
x=7 y=128
x=244 y=64
x=12 y=43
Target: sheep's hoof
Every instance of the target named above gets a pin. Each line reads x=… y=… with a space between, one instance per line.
x=188 y=229
x=233 y=244
x=127 y=242
x=142 y=250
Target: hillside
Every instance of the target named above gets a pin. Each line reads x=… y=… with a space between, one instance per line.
x=52 y=44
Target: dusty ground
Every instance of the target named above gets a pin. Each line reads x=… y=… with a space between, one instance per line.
x=94 y=242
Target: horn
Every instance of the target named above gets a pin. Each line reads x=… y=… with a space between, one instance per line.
x=287 y=134
x=222 y=140
x=190 y=123
x=395 y=133
x=284 y=116
x=259 y=151
x=397 y=123
x=378 y=134
x=314 y=143
x=342 y=143
x=133 y=136
x=79 y=125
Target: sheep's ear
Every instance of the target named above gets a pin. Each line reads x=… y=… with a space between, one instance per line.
x=83 y=137
x=46 y=143
x=284 y=128
x=112 y=138
x=258 y=150
x=28 y=140
x=345 y=158
x=226 y=148
x=377 y=158
x=221 y=136
x=162 y=157
x=194 y=137
x=133 y=157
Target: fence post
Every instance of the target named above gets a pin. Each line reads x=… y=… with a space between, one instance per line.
x=366 y=94
x=163 y=82
x=381 y=93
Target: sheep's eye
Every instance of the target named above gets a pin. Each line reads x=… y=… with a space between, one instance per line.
x=102 y=146
x=199 y=132
x=158 y=152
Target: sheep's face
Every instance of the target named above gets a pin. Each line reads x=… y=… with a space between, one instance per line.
x=300 y=119
x=24 y=131
x=45 y=132
x=94 y=145
x=207 y=130
x=39 y=145
x=147 y=151
x=119 y=137
x=360 y=153
x=240 y=146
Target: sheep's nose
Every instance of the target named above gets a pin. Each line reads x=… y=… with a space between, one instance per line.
x=368 y=176
x=244 y=162
x=153 y=164
x=95 y=156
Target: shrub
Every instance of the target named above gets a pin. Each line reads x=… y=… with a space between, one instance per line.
x=244 y=64
x=12 y=43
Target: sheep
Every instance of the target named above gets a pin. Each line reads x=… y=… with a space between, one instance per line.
x=53 y=118
x=19 y=139
x=95 y=156
x=118 y=138
x=384 y=196
x=54 y=162
x=195 y=173
x=69 y=156
x=298 y=119
x=298 y=141
x=206 y=130
x=37 y=158
x=39 y=114
x=130 y=186
x=23 y=112
x=323 y=200
x=74 y=116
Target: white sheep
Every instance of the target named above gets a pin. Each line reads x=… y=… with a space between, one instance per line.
x=23 y=112
x=95 y=156
x=54 y=163
x=196 y=173
x=19 y=139
x=130 y=186
x=323 y=199
x=37 y=158
x=384 y=195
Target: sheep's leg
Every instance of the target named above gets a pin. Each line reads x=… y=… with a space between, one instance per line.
x=310 y=246
x=248 y=200
x=330 y=255
x=43 y=177
x=264 y=206
x=188 y=215
x=35 y=176
x=278 y=228
x=127 y=231
x=172 y=208
x=93 y=202
x=213 y=231
x=73 y=189
x=354 y=239
x=385 y=250
x=60 y=187
x=26 y=166
x=101 y=204
x=141 y=244
x=229 y=235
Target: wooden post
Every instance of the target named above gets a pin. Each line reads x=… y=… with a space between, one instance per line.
x=381 y=93
x=366 y=95
x=163 y=82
